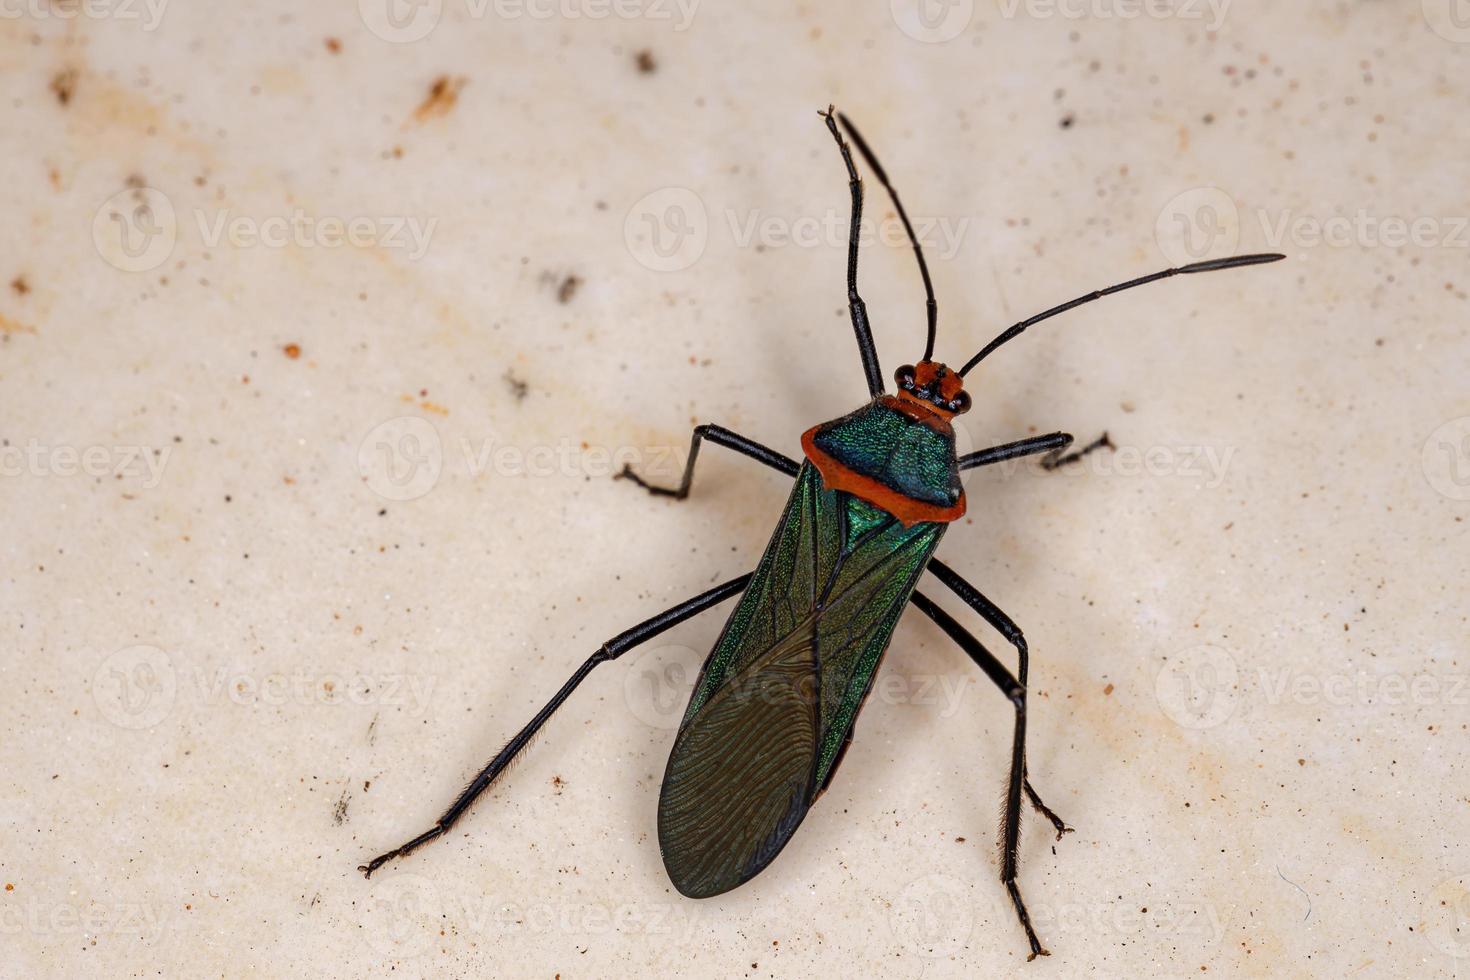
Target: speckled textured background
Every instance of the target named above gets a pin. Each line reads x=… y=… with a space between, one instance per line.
x=323 y=327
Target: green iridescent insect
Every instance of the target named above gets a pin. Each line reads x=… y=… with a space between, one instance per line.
x=772 y=712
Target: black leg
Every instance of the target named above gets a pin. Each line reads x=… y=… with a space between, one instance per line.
x=1011 y=838
x=720 y=436
x=1054 y=460
x=856 y=307
x=1007 y=628
x=610 y=650
x=1053 y=443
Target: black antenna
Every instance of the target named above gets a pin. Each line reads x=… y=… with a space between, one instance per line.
x=877 y=168
x=1207 y=266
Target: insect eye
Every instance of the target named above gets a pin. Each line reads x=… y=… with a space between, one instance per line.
x=961 y=403
x=905 y=376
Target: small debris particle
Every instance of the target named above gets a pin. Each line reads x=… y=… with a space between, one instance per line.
x=22 y=287
x=443 y=95
x=292 y=351
x=9 y=887
x=518 y=389
x=64 y=84
x=339 y=812
x=959 y=840
x=1108 y=690
x=645 y=62
x=1068 y=120
x=333 y=45
x=568 y=288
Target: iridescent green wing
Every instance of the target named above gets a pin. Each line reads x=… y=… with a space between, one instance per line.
x=778 y=695
x=867 y=594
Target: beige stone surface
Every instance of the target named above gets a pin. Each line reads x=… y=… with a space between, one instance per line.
x=320 y=330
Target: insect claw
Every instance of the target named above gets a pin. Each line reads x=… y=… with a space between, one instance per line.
x=1039 y=951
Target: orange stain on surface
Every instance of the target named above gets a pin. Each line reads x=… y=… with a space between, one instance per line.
x=7 y=325
x=443 y=96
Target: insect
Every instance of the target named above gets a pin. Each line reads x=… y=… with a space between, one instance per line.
x=772 y=712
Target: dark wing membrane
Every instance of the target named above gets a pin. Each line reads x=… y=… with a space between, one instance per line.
x=780 y=691
x=740 y=776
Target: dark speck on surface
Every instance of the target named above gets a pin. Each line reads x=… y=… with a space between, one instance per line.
x=568 y=289
x=518 y=389
x=646 y=64
x=64 y=85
